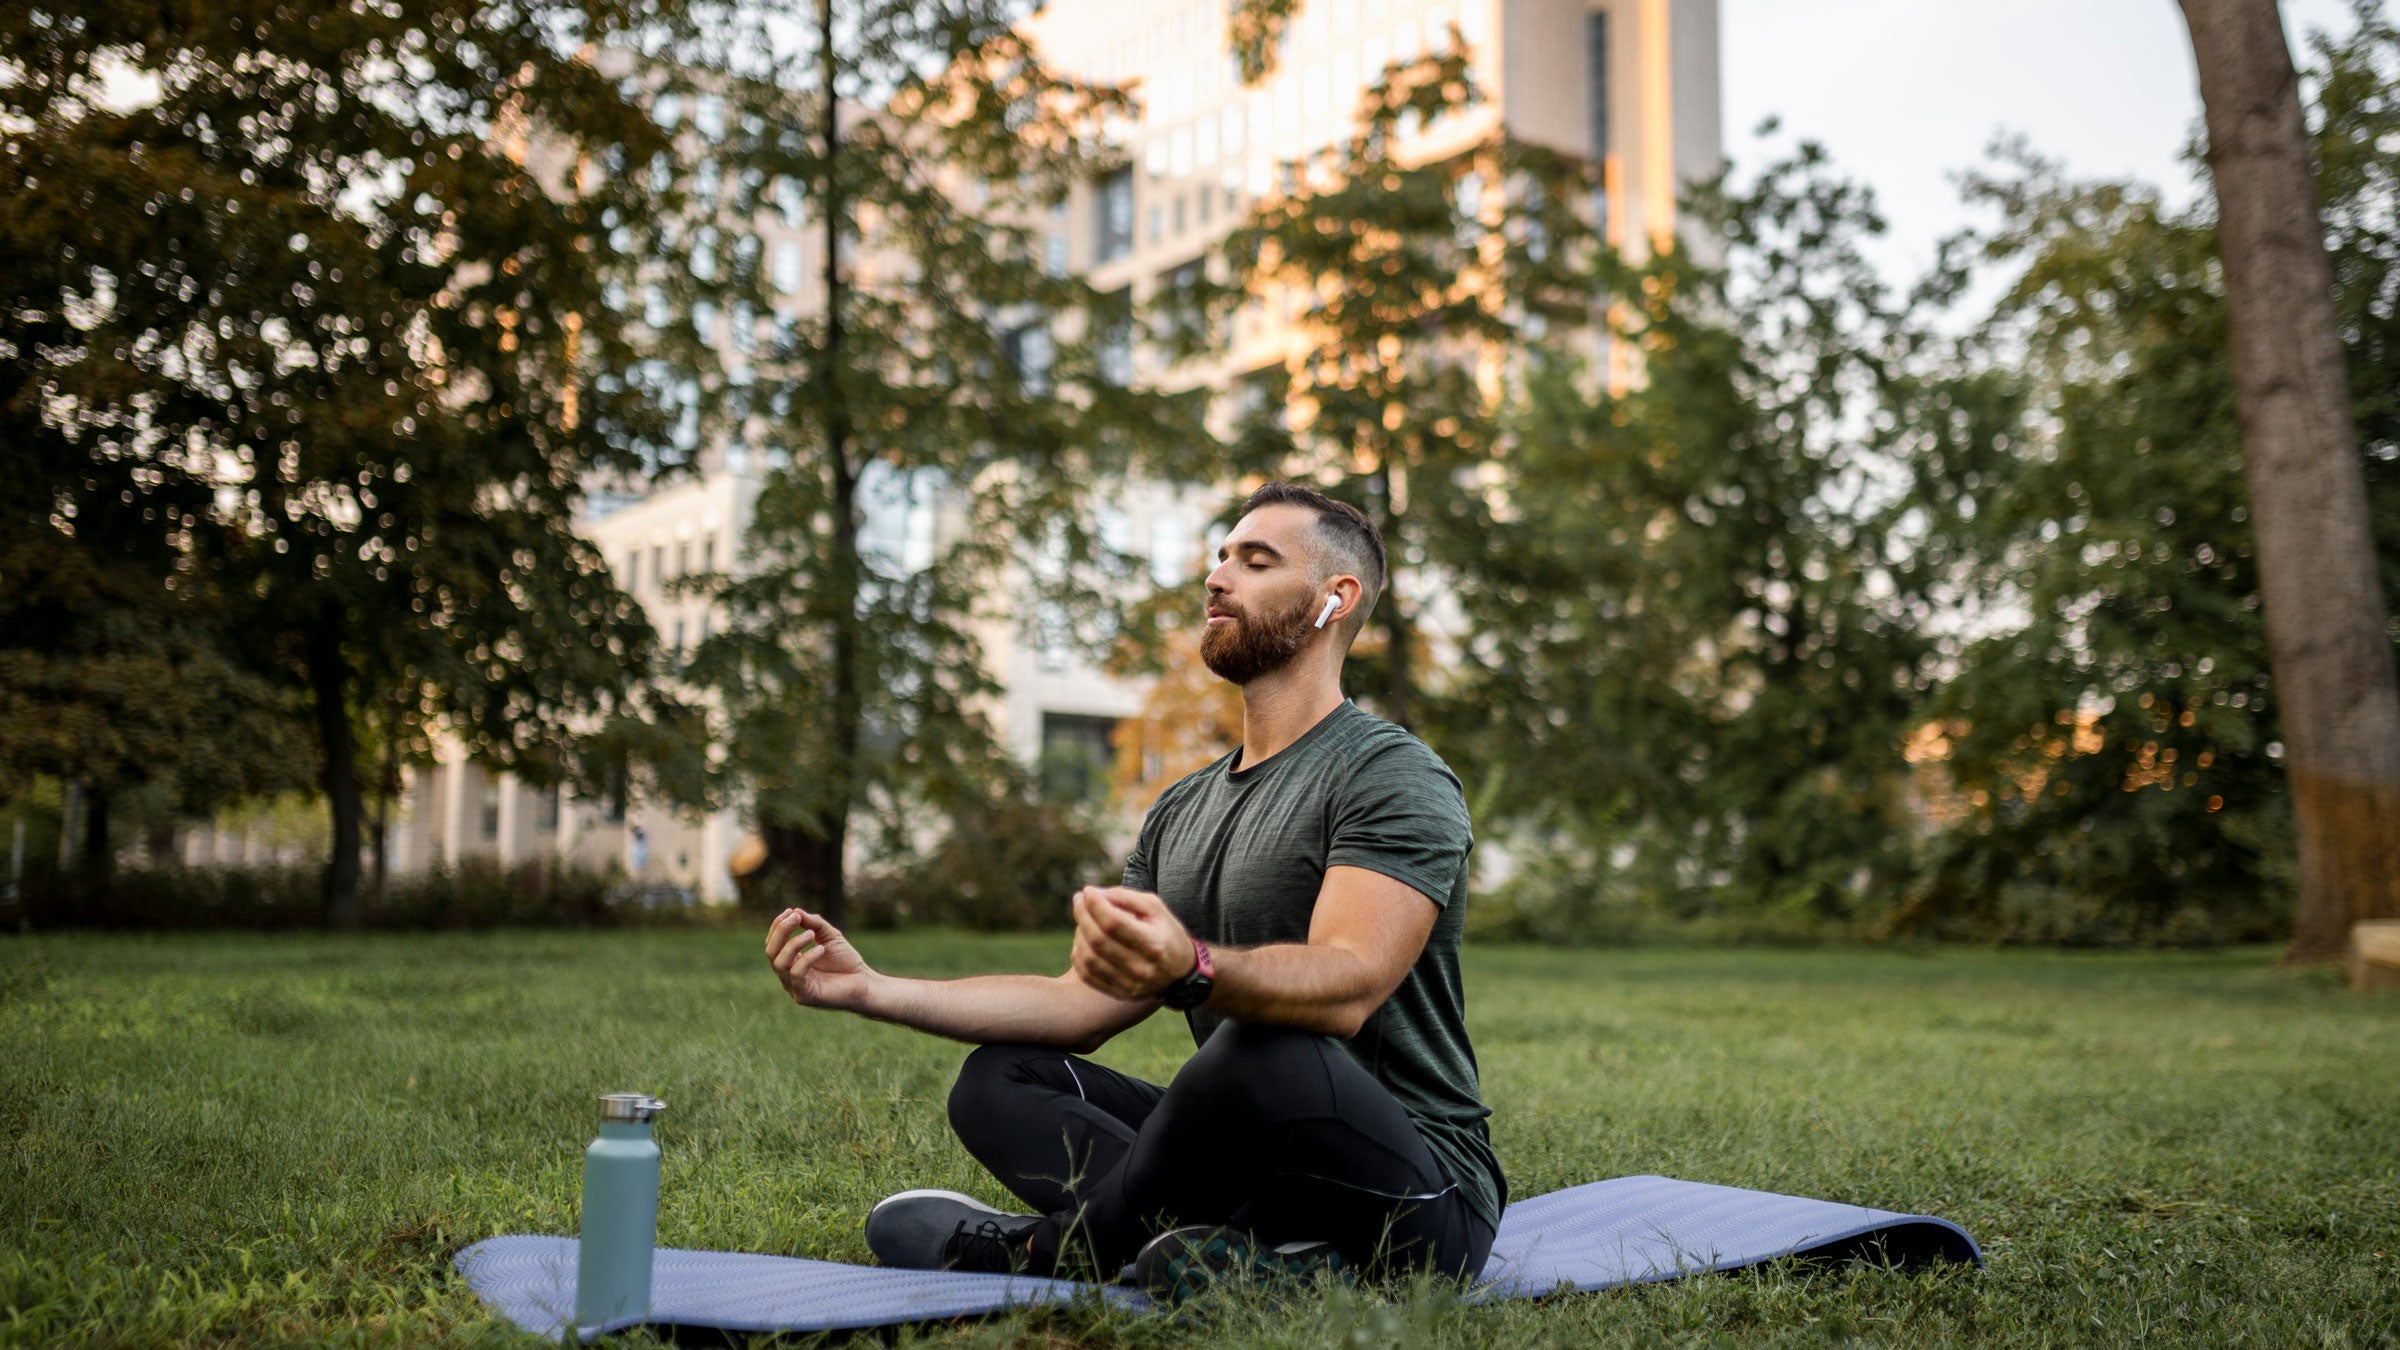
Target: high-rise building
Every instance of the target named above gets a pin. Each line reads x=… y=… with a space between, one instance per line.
x=1631 y=84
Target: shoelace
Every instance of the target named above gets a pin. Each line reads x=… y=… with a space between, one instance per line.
x=986 y=1247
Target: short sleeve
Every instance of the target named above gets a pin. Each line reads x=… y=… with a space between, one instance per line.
x=1404 y=815
x=1141 y=865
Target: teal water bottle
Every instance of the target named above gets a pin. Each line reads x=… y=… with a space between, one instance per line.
x=620 y=1212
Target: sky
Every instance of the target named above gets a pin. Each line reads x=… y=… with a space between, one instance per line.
x=1906 y=93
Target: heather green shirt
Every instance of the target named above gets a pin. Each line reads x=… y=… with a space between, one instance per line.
x=1240 y=856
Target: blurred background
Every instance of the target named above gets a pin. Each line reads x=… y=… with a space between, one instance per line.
x=569 y=461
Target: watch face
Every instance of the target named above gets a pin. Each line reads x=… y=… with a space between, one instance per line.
x=1187 y=993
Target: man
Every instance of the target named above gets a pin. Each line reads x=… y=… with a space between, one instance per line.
x=1300 y=901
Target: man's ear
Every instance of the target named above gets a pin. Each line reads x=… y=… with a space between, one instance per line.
x=1346 y=591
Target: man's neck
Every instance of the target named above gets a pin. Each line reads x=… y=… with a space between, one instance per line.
x=1278 y=709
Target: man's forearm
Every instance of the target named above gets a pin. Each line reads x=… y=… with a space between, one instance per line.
x=1310 y=986
x=995 y=1009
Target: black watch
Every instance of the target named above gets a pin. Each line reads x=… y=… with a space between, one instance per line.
x=1192 y=990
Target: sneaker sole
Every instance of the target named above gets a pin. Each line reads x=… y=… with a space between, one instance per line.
x=969 y=1201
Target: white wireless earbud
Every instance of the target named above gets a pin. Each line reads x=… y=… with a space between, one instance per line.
x=1332 y=603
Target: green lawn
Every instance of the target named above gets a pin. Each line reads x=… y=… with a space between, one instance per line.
x=252 y=1140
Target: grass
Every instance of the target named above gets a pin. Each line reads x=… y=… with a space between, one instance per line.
x=247 y=1140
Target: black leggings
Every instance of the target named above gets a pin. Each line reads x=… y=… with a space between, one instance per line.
x=1274 y=1131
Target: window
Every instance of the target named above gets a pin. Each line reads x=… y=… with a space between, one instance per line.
x=787 y=266
x=1054 y=254
x=1115 y=317
x=1113 y=224
x=679 y=637
x=704 y=320
x=704 y=253
x=683 y=559
x=745 y=327
x=1231 y=124
x=1158 y=222
x=708 y=114
x=1204 y=144
x=1179 y=212
x=545 y=810
x=1179 y=152
x=708 y=558
x=658 y=566
x=1029 y=352
x=789 y=199
x=633 y=570
x=490 y=784
x=1170 y=549
x=1076 y=757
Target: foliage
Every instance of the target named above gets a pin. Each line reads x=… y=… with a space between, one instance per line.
x=475 y=894
x=1407 y=279
x=1008 y=861
x=2114 y=736
x=2152 y=1148
x=307 y=316
x=945 y=370
x=1695 y=649
x=1188 y=719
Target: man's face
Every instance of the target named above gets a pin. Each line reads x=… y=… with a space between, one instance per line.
x=1261 y=607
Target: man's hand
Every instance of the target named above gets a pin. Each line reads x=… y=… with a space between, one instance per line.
x=818 y=966
x=1127 y=944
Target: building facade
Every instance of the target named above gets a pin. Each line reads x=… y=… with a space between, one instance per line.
x=1630 y=84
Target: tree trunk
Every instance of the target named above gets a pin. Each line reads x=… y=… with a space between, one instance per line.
x=387 y=784
x=2316 y=559
x=1399 y=673
x=804 y=862
x=329 y=683
x=99 y=853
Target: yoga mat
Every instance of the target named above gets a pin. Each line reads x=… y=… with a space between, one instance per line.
x=1609 y=1233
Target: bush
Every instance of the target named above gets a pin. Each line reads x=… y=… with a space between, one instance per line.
x=476 y=893
x=1010 y=862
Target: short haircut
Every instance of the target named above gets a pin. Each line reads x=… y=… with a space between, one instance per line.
x=1352 y=544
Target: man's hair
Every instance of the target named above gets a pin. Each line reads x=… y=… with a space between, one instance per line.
x=1351 y=543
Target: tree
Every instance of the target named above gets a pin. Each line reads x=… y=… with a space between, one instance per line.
x=1695 y=652
x=299 y=315
x=946 y=369
x=2109 y=733
x=2325 y=610
x=1411 y=284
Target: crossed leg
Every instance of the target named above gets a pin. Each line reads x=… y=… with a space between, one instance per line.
x=1275 y=1131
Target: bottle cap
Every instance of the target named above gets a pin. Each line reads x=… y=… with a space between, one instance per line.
x=629 y=1108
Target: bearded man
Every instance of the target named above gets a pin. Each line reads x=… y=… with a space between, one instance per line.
x=1299 y=901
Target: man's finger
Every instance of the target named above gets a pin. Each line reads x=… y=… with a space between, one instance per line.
x=780 y=928
x=799 y=970
x=1111 y=918
x=1112 y=964
x=791 y=950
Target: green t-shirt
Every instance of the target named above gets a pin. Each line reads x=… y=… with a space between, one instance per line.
x=1239 y=856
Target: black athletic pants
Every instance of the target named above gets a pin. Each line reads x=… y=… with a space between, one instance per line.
x=1274 y=1131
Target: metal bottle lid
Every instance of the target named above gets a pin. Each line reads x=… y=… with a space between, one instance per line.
x=629 y=1108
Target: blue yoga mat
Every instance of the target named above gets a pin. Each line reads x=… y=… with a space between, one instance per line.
x=1609 y=1233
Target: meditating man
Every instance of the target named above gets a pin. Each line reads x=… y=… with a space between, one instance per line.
x=1299 y=901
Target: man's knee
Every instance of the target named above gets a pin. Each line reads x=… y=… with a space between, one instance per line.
x=990 y=1076
x=1242 y=1059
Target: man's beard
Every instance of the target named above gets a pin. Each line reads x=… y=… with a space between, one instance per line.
x=1246 y=648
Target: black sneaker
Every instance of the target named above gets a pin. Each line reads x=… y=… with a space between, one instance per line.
x=1181 y=1262
x=943 y=1230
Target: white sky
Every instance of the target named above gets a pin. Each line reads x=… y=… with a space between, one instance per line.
x=1905 y=93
